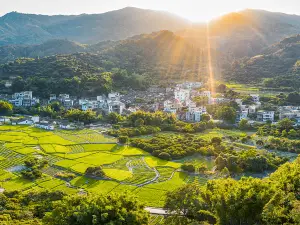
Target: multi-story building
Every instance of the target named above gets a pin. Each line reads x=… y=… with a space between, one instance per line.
x=265 y=116
x=182 y=94
x=24 y=99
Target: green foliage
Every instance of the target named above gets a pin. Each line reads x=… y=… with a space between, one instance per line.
x=88 y=116
x=226 y=113
x=111 y=209
x=5 y=108
x=176 y=146
x=123 y=139
x=34 y=167
x=273 y=200
x=95 y=171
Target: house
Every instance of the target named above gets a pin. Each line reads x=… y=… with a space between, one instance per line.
x=190 y=85
x=24 y=99
x=172 y=104
x=114 y=96
x=115 y=106
x=255 y=98
x=265 y=116
x=67 y=126
x=52 y=97
x=45 y=125
x=25 y=121
x=242 y=115
x=8 y=84
x=291 y=112
x=181 y=94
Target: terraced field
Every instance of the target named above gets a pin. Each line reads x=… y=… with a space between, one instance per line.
x=126 y=168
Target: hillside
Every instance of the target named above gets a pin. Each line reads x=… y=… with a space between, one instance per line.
x=244 y=33
x=19 y=28
x=278 y=62
x=49 y=48
x=155 y=57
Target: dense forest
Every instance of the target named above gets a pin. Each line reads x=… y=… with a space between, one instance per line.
x=279 y=63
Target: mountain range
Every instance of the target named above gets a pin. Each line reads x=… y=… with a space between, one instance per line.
x=19 y=28
x=245 y=46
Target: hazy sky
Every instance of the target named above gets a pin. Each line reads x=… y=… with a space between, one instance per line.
x=195 y=10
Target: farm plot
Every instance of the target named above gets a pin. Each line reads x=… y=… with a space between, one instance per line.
x=151 y=197
x=102 y=187
x=117 y=174
x=86 y=136
x=177 y=181
x=141 y=172
x=100 y=158
x=154 y=162
x=129 y=151
x=11 y=158
x=98 y=147
x=165 y=173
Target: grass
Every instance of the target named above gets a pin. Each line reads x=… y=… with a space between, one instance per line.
x=50 y=184
x=48 y=148
x=17 y=184
x=99 y=159
x=117 y=174
x=98 y=147
x=154 y=162
x=130 y=151
x=102 y=187
x=151 y=197
x=54 y=139
x=62 y=151
x=177 y=181
x=82 y=182
x=66 y=163
x=75 y=155
x=80 y=167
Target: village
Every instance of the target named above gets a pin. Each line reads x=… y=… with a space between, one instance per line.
x=177 y=99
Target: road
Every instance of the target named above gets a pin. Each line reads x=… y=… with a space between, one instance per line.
x=158 y=211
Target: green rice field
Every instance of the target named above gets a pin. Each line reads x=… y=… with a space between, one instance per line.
x=126 y=168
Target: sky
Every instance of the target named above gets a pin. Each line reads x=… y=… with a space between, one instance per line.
x=194 y=10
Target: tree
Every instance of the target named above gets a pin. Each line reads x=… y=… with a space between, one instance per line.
x=243 y=124
x=165 y=156
x=222 y=88
x=226 y=113
x=123 y=139
x=189 y=167
x=5 y=108
x=114 y=118
x=205 y=117
x=248 y=100
x=94 y=210
x=216 y=140
x=95 y=171
x=139 y=122
x=285 y=124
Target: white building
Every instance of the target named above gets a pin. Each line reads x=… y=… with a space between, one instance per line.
x=265 y=116
x=45 y=125
x=24 y=99
x=182 y=94
x=255 y=97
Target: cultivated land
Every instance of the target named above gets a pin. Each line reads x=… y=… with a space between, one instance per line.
x=126 y=168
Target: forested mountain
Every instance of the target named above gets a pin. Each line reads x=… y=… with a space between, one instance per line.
x=244 y=33
x=19 y=28
x=279 y=62
x=142 y=59
x=246 y=46
x=49 y=48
